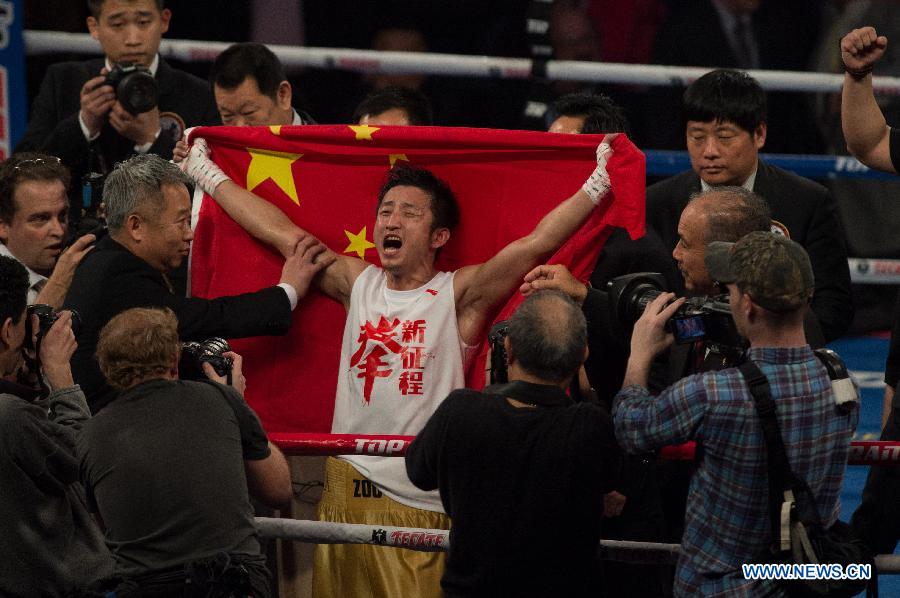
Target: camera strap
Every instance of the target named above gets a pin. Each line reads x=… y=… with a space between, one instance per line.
x=34 y=367
x=782 y=479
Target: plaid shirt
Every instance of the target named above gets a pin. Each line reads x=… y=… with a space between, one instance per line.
x=727 y=520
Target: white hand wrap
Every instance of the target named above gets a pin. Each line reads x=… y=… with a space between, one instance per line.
x=597 y=185
x=199 y=167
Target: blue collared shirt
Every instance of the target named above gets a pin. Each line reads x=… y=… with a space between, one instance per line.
x=727 y=520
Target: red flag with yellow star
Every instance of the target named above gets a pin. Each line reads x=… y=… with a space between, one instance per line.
x=326 y=179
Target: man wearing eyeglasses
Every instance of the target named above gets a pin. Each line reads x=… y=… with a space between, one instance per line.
x=33 y=222
x=77 y=112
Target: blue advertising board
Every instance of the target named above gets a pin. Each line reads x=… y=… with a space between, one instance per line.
x=13 y=109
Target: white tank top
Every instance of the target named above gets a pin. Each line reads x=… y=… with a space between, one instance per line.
x=401 y=356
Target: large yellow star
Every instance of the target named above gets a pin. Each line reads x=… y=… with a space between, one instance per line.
x=358 y=242
x=363 y=132
x=266 y=164
x=394 y=157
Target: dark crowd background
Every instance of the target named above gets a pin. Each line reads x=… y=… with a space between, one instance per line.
x=801 y=35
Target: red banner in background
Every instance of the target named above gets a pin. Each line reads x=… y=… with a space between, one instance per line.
x=326 y=179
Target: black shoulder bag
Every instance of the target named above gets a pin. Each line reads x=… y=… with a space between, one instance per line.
x=798 y=536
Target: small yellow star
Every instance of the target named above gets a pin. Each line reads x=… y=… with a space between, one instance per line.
x=364 y=132
x=358 y=243
x=267 y=164
x=394 y=157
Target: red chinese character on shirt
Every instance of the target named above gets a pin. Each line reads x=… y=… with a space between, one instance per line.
x=370 y=369
x=370 y=365
x=412 y=357
x=383 y=333
x=411 y=383
x=413 y=331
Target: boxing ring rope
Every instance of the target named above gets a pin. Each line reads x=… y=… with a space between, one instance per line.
x=433 y=540
x=371 y=61
x=436 y=540
x=862 y=452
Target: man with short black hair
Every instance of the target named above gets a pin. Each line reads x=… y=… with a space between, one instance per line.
x=725 y=118
x=34 y=217
x=49 y=542
x=398 y=106
x=201 y=438
x=770 y=282
x=76 y=111
x=148 y=211
x=251 y=88
x=587 y=113
x=521 y=461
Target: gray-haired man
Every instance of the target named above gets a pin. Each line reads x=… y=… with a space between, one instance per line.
x=148 y=210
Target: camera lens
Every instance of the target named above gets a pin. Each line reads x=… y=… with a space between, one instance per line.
x=138 y=92
x=641 y=296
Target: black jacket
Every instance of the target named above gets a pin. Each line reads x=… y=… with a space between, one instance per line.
x=111 y=279
x=805 y=208
x=53 y=127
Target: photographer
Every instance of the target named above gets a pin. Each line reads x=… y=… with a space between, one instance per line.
x=167 y=465
x=49 y=543
x=521 y=461
x=78 y=112
x=720 y=214
x=148 y=213
x=654 y=491
x=770 y=284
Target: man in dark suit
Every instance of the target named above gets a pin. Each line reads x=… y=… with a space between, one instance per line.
x=76 y=112
x=725 y=116
x=148 y=213
x=744 y=34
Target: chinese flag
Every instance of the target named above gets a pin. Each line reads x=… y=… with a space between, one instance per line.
x=326 y=179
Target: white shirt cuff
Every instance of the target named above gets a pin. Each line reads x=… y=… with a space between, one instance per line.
x=84 y=129
x=291 y=294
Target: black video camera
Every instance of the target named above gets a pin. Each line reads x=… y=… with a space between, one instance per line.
x=135 y=87
x=699 y=318
x=194 y=355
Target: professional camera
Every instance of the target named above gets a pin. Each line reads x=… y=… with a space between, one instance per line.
x=699 y=318
x=194 y=355
x=135 y=87
x=46 y=318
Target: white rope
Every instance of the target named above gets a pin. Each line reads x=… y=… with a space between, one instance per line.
x=432 y=540
x=435 y=540
x=371 y=61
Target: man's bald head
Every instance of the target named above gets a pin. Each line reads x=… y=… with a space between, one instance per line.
x=547 y=336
